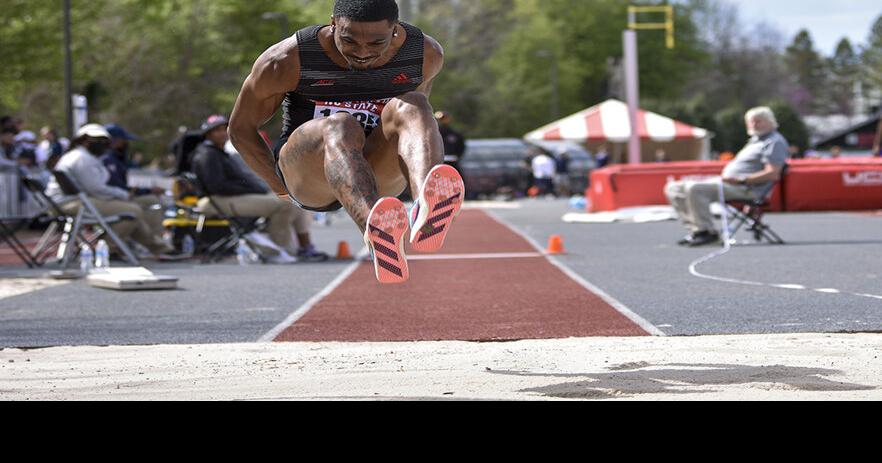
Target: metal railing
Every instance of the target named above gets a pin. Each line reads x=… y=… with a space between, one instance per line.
x=15 y=201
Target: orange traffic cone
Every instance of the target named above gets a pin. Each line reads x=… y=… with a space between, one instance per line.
x=343 y=251
x=555 y=245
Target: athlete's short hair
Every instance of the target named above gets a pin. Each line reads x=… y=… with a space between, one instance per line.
x=366 y=10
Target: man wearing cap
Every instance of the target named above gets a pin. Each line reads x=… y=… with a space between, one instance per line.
x=81 y=164
x=116 y=161
x=239 y=194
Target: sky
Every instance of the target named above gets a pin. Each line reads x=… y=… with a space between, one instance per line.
x=828 y=21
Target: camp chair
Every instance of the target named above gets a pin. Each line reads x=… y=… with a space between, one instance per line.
x=72 y=226
x=238 y=227
x=750 y=214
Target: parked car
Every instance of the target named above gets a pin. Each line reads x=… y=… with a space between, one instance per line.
x=495 y=166
x=500 y=167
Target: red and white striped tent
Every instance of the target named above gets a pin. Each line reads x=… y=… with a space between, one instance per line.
x=609 y=123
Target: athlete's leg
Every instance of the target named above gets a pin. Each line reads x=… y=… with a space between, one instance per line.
x=324 y=161
x=409 y=127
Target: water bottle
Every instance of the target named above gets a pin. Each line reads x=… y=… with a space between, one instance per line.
x=244 y=254
x=102 y=255
x=86 y=257
x=188 y=245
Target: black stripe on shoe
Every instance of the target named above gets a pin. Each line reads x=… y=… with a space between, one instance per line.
x=444 y=204
x=432 y=233
x=385 y=251
x=381 y=234
x=439 y=218
x=389 y=267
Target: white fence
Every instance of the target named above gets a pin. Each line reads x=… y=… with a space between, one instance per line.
x=15 y=200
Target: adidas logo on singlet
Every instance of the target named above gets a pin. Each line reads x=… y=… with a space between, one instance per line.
x=401 y=79
x=324 y=83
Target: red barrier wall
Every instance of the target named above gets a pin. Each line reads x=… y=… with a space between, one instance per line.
x=810 y=185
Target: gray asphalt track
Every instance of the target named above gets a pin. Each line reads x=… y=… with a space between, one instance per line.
x=642 y=267
x=637 y=264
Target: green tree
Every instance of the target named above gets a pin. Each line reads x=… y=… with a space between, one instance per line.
x=844 y=71
x=807 y=70
x=871 y=58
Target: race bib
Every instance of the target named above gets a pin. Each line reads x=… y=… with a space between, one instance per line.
x=367 y=113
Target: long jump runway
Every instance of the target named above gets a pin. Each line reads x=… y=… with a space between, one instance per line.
x=487 y=284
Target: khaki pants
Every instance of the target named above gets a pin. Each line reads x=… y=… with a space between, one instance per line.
x=283 y=217
x=153 y=213
x=138 y=229
x=692 y=200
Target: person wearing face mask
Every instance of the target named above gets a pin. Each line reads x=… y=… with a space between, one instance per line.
x=81 y=164
x=116 y=160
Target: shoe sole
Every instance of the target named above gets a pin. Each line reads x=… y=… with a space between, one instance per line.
x=386 y=228
x=440 y=202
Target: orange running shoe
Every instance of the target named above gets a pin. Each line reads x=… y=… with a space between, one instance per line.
x=386 y=227
x=439 y=202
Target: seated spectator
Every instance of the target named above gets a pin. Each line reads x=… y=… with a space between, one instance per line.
x=117 y=163
x=238 y=194
x=81 y=164
x=745 y=178
x=51 y=148
x=26 y=147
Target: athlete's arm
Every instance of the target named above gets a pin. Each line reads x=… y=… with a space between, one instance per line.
x=275 y=73
x=432 y=63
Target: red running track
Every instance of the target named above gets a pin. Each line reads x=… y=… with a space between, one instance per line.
x=464 y=299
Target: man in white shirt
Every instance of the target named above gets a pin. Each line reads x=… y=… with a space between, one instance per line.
x=544 y=169
x=81 y=164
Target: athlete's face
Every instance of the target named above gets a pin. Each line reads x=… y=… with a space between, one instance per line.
x=363 y=43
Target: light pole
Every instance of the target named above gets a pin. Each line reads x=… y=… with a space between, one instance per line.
x=282 y=18
x=68 y=71
x=632 y=71
x=555 y=97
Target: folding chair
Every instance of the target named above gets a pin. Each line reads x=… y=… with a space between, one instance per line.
x=73 y=225
x=750 y=214
x=239 y=227
x=7 y=234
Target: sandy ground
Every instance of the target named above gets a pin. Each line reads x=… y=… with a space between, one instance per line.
x=760 y=367
x=10 y=287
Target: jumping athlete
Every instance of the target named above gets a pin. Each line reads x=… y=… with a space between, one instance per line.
x=358 y=128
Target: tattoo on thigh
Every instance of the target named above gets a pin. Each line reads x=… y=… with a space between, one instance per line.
x=352 y=179
x=303 y=147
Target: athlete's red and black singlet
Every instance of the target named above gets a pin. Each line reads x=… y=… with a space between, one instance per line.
x=326 y=88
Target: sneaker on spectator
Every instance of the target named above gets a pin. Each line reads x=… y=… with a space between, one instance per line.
x=311 y=254
x=283 y=258
x=174 y=256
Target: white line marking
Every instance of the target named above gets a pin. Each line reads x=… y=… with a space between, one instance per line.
x=490 y=205
x=642 y=323
x=828 y=290
x=727 y=246
x=308 y=305
x=511 y=255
